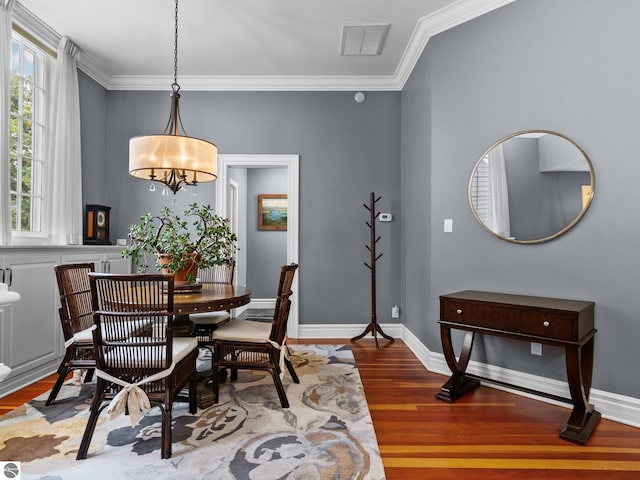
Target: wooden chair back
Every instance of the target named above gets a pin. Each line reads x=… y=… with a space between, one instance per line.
x=133 y=314
x=76 y=312
x=218 y=273
x=283 y=303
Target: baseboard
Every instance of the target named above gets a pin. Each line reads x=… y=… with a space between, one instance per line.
x=618 y=408
x=340 y=330
x=13 y=384
x=262 y=303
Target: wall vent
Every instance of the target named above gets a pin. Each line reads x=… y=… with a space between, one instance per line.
x=363 y=39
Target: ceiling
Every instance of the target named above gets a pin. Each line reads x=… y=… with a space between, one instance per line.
x=243 y=44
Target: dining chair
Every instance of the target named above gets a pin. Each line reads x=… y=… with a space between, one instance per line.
x=254 y=345
x=205 y=323
x=136 y=352
x=76 y=318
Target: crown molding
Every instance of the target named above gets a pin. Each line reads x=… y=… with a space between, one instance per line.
x=50 y=39
x=253 y=83
x=460 y=12
x=32 y=24
x=89 y=66
x=438 y=22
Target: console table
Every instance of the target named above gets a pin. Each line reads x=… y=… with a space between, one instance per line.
x=553 y=321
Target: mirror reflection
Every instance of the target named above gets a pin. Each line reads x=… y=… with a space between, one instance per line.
x=531 y=186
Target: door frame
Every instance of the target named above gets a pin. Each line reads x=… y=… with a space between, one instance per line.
x=291 y=163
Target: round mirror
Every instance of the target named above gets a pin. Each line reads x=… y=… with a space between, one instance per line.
x=531 y=186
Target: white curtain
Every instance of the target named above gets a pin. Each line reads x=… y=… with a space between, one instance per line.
x=498 y=193
x=65 y=174
x=6 y=10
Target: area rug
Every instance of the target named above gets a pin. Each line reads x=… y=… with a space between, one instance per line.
x=326 y=433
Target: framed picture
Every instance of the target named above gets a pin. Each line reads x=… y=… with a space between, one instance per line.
x=272 y=211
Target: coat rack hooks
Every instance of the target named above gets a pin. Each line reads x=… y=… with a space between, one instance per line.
x=373 y=326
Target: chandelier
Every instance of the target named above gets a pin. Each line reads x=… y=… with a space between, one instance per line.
x=173 y=158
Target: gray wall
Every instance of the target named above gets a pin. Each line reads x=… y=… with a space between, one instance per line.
x=266 y=249
x=347 y=150
x=562 y=65
x=93 y=115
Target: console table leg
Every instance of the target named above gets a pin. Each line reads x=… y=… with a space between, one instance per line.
x=583 y=419
x=458 y=384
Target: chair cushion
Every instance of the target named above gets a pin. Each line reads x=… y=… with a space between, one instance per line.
x=243 y=331
x=183 y=346
x=209 y=318
x=83 y=336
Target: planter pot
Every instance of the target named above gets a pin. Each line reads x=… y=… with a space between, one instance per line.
x=181 y=276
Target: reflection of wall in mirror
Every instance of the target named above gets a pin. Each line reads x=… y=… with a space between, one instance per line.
x=541 y=203
x=555 y=154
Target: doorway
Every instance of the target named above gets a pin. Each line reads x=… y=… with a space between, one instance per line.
x=223 y=202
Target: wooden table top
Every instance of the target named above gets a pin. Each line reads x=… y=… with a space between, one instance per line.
x=212 y=297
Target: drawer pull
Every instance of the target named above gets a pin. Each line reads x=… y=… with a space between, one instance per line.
x=545 y=323
x=459 y=311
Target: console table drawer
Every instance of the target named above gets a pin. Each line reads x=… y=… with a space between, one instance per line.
x=555 y=319
x=512 y=320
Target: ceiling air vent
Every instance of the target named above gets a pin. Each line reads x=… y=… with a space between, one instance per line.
x=363 y=39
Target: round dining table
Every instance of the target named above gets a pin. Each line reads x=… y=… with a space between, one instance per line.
x=210 y=298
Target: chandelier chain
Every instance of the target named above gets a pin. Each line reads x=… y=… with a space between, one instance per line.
x=175 y=47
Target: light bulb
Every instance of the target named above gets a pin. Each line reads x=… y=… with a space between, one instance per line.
x=165 y=192
x=152 y=187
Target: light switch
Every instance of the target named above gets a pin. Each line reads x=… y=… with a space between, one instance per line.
x=448 y=225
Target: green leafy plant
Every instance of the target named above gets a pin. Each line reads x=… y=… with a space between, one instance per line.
x=196 y=240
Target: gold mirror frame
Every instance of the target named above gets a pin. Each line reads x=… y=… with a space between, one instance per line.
x=587 y=197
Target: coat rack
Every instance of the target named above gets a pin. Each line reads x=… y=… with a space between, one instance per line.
x=373 y=326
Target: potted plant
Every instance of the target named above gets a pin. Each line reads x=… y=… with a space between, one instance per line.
x=181 y=246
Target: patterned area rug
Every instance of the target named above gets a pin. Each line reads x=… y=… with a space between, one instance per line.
x=326 y=433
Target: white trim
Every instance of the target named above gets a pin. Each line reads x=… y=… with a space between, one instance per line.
x=459 y=12
x=341 y=330
x=618 y=408
x=257 y=83
x=612 y=406
x=291 y=162
x=262 y=303
x=438 y=22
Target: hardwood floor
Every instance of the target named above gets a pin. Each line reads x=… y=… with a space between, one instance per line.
x=488 y=434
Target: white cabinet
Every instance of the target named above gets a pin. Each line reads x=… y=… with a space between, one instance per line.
x=104 y=262
x=31 y=341
x=31 y=334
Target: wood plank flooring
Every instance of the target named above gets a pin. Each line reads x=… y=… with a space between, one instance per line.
x=486 y=435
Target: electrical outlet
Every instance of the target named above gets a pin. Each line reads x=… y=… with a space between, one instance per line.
x=395 y=311
x=536 y=348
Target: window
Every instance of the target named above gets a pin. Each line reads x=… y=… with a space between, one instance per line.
x=26 y=146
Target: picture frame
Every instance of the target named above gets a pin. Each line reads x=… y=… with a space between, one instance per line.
x=272 y=211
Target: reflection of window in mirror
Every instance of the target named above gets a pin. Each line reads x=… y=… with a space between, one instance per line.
x=480 y=190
